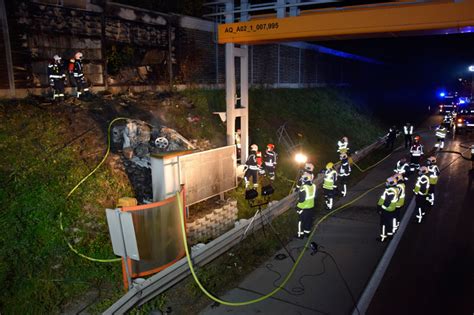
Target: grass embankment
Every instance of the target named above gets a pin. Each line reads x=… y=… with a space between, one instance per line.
x=38 y=271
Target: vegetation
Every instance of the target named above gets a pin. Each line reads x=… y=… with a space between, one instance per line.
x=41 y=162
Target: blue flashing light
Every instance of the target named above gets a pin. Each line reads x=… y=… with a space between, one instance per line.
x=462 y=102
x=442 y=94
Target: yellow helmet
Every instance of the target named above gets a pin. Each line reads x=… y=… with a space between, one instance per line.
x=329 y=165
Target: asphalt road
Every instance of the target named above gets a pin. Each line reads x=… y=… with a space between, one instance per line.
x=432 y=271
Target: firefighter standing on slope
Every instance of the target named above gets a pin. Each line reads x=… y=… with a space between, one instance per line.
x=421 y=190
x=408 y=132
x=391 y=136
x=343 y=146
x=76 y=70
x=305 y=205
x=441 y=132
x=433 y=173
x=251 y=167
x=57 y=76
x=344 y=172
x=387 y=206
x=329 y=184
x=416 y=152
x=270 y=161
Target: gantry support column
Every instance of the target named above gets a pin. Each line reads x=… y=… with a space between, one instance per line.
x=232 y=113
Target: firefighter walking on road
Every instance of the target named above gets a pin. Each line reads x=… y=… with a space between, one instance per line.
x=421 y=190
x=57 y=76
x=401 y=199
x=270 y=161
x=433 y=173
x=387 y=206
x=402 y=168
x=344 y=172
x=416 y=152
x=329 y=185
x=76 y=71
x=408 y=133
x=305 y=205
x=441 y=133
x=251 y=167
x=391 y=136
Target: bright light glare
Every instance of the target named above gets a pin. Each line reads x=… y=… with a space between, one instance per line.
x=462 y=101
x=442 y=94
x=471 y=68
x=300 y=158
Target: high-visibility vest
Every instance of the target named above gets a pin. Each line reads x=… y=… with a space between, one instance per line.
x=329 y=177
x=433 y=171
x=390 y=191
x=441 y=133
x=422 y=180
x=401 y=195
x=416 y=150
x=401 y=168
x=310 y=194
x=408 y=131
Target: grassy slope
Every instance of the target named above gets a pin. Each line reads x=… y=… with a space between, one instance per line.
x=37 y=269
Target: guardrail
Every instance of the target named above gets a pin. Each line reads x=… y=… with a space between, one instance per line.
x=141 y=293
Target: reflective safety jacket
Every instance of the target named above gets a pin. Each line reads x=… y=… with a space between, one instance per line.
x=416 y=150
x=345 y=169
x=401 y=194
x=252 y=161
x=270 y=158
x=343 y=146
x=408 y=130
x=330 y=178
x=441 y=132
x=422 y=185
x=56 y=71
x=401 y=167
x=433 y=172
x=388 y=200
x=306 y=196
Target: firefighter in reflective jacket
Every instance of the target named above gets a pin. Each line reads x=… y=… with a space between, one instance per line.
x=402 y=168
x=343 y=146
x=433 y=173
x=270 y=161
x=441 y=132
x=387 y=206
x=408 y=132
x=401 y=199
x=76 y=71
x=421 y=190
x=329 y=184
x=57 y=76
x=251 y=167
x=344 y=172
x=305 y=205
x=416 y=152
x=308 y=168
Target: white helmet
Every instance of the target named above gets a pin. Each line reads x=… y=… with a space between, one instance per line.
x=309 y=167
x=78 y=55
x=57 y=58
x=306 y=177
x=254 y=147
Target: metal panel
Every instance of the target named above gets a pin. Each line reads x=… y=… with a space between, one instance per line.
x=122 y=233
x=208 y=173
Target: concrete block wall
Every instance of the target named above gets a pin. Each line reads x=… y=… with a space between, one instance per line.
x=213 y=224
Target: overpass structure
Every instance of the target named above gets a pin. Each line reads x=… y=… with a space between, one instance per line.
x=291 y=20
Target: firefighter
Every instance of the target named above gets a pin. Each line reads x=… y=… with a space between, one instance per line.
x=238 y=139
x=416 y=152
x=387 y=205
x=448 y=121
x=402 y=168
x=441 y=132
x=401 y=199
x=343 y=146
x=408 y=132
x=57 y=76
x=421 y=190
x=76 y=71
x=391 y=136
x=270 y=161
x=344 y=172
x=433 y=173
x=261 y=170
x=329 y=184
x=305 y=205
x=251 y=167
x=308 y=168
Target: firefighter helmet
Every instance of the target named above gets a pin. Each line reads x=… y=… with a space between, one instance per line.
x=423 y=170
x=270 y=147
x=57 y=58
x=391 y=181
x=78 y=55
x=254 y=147
x=343 y=156
x=309 y=167
x=432 y=159
x=306 y=177
x=329 y=165
x=417 y=138
x=344 y=139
